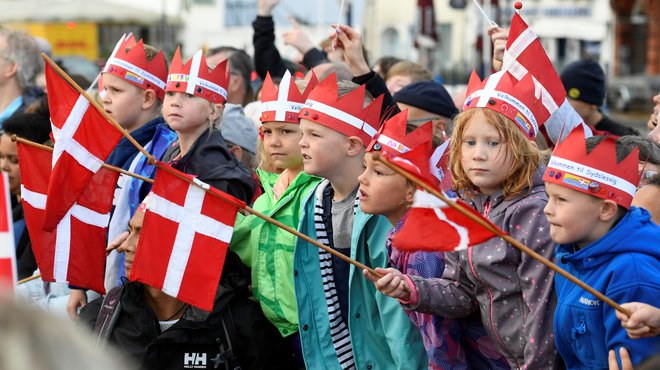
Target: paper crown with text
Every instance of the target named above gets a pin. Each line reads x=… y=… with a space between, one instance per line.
x=503 y=93
x=595 y=173
x=283 y=103
x=393 y=140
x=195 y=78
x=346 y=114
x=129 y=62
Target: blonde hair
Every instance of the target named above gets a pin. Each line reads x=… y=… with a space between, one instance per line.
x=416 y=71
x=526 y=156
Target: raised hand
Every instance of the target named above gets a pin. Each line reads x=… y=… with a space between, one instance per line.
x=297 y=37
x=498 y=36
x=350 y=41
x=265 y=7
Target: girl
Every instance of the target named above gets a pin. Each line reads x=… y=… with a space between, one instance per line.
x=449 y=343
x=496 y=169
x=267 y=249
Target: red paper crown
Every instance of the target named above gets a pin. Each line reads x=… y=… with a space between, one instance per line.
x=195 y=78
x=392 y=139
x=347 y=114
x=596 y=173
x=502 y=93
x=129 y=62
x=283 y=104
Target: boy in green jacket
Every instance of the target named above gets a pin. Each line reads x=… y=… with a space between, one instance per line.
x=344 y=322
x=262 y=246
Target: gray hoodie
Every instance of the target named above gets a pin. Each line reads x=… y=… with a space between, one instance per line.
x=513 y=292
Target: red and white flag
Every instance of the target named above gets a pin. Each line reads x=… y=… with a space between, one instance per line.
x=427 y=164
x=83 y=141
x=184 y=239
x=525 y=55
x=74 y=251
x=7 y=246
x=432 y=225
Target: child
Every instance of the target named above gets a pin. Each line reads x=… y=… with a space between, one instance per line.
x=262 y=246
x=133 y=91
x=193 y=106
x=613 y=247
x=382 y=191
x=496 y=168
x=344 y=322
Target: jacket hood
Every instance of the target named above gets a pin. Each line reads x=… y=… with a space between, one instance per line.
x=635 y=232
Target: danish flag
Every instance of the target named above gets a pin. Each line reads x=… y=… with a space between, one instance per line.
x=7 y=247
x=185 y=237
x=83 y=141
x=525 y=55
x=74 y=251
x=432 y=225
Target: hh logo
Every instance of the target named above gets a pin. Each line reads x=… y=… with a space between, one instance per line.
x=194 y=360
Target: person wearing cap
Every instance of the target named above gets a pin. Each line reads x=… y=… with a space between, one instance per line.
x=133 y=82
x=265 y=248
x=344 y=323
x=20 y=64
x=428 y=101
x=605 y=242
x=584 y=81
x=241 y=137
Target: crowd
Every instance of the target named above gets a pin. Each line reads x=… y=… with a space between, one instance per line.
x=306 y=142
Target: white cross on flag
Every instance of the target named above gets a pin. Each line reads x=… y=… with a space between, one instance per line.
x=73 y=252
x=432 y=225
x=7 y=247
x=83 y=141
x=524 y=55
x=185 y=237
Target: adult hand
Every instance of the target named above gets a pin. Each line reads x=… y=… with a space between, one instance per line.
x=116 y=243
x=643 y=322
x=350 y=41
x=626 y=363
x=265 y=7
x=77 y=300
x=298 y=38
x=392 y=284
x=498 y=36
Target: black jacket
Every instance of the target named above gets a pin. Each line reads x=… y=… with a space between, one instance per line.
x=199 y=338
x=377 y=87
x=266 y=56
x=210 y=160
x=614 y=128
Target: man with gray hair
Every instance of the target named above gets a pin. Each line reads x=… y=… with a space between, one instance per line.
x=19 y=65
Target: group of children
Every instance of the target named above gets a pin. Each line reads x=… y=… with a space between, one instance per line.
x=490 y=306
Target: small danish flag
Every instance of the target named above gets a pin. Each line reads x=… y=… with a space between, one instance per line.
x=7 y=247
x=185 y=237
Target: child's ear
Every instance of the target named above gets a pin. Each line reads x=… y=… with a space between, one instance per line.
x=217 y=111
x=149 y=99
x=410 y=191
x=608 y=210
x=355 y=146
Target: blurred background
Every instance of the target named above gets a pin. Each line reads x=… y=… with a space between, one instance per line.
x=444 y=35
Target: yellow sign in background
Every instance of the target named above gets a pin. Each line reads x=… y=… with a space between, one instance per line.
x=66 y=38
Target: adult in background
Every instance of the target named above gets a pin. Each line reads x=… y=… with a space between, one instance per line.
x=19 y=66
x=428 y=101
x=585 y=86
x=240 y=90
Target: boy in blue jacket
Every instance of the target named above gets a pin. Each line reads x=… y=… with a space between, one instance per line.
x=604 y=241
x=344 y=322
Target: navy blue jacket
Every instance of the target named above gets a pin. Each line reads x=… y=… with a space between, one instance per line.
x=624 y=265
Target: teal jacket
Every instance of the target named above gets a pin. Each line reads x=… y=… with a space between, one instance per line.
x=383 y=337
x=268 y=250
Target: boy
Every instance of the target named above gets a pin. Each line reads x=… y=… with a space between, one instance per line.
x=134 y=87
x=343 y=321
x=605 y=242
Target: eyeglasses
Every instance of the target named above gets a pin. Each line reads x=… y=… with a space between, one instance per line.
x=423 y=120
x=646 y=177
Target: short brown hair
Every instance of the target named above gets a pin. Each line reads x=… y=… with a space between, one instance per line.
x=416 y=71
x=527 y=157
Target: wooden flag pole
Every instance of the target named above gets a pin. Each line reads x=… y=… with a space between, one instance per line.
x=105 y=165
x=93 y=102
x=501 y=234
x=278 y=224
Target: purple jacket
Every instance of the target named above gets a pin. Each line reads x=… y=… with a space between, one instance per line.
x=513 y=292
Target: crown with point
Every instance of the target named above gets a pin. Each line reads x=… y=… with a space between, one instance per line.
x=195 y=78
x=595 y=173
x=283 y=103
x=392 y=138
x=129 y=62
x=346 y=114
x=503 y=93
